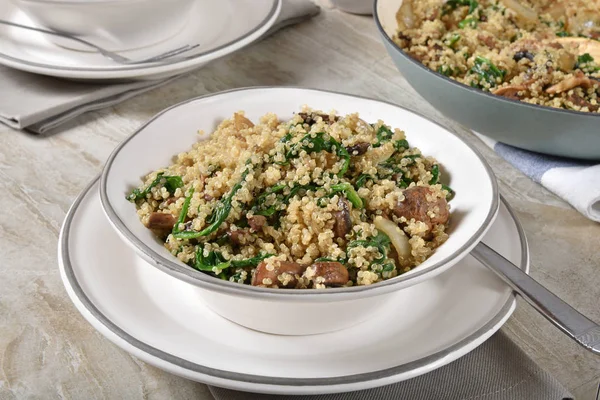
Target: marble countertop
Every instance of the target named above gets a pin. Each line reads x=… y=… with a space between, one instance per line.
x=47 y=349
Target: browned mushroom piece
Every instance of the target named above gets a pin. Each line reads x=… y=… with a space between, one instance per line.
x=358 y=149
x=488 y=40
x=240 y=122
x=343 y=222
x=161 y=222
x=256 y=222
x=311 y=119
x=579 y=79
x=333 y=273
x=235 y=237
x=416 y=205
x=511 y=91
x=581 y=45
x=581 y=102
x=283 y=274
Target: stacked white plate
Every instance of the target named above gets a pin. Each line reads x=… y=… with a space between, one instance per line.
x=219 y=27
x=164 y=321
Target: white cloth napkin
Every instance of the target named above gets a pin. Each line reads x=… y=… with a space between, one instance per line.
x=575 y=181
x=39 y=103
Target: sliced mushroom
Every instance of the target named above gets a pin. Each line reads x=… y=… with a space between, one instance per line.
x=581 y=102
x=511 y=91
x=343 y=222
x=332 y=273
x=582 y=46
x=237 y=237
x=579 y=79
x=358 y=149
x=488 y=40
x=256 y=222
x=417 y=205
x=283 y=274
x=161 y=222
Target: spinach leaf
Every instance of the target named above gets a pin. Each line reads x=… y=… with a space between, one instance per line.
x=451 y=192
x=401 y=144
x=215 y=261
x=486 y=71
x=585 y=58
x=219 y=214
x=296 y=189
x=470 y=22
x=454 y=38
x=452 y=5
x=362 y=180
x=172 y=182
x=183 y=213
x=586 y=63
x=259 y=208
x=381 y=242
x=389 y=267
x=212 y=262
x=329 y=259
x=384 y=134
x=315 y=143
x=349 y=192
x=445 y=70
x=435 y=174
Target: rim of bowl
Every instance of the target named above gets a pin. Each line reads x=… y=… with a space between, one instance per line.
x=467 y=87
x=207 y=282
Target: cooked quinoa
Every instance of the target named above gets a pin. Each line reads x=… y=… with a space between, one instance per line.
x=318 y=201
x=543 y=52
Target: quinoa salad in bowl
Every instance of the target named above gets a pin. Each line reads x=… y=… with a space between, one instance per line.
x=542 y=52
x=321 y=200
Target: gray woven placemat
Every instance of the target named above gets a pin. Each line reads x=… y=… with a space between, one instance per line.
x=40 y=103
x=496 y=370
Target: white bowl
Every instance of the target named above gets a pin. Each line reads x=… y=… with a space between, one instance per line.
x=295 y=312
x=116 y=25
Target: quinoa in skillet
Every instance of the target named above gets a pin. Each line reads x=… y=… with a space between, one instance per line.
x=318 y=201
x=543 y=52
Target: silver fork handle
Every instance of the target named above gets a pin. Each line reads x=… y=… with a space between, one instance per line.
x=583 y=330
x=104 y=52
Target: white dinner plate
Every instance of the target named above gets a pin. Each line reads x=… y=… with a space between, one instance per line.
x=220 y=27
x=162 y=321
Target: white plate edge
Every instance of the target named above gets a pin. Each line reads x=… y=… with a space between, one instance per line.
x=277 y=385
x=99 y=74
